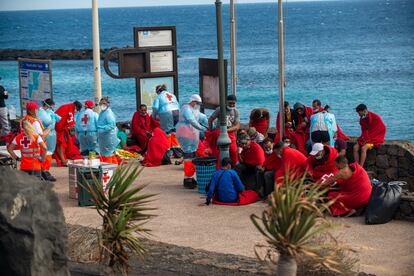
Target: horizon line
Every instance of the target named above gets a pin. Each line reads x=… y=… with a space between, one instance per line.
x=168 y=5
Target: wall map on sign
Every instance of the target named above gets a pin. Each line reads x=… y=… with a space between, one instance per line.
x=147 y=88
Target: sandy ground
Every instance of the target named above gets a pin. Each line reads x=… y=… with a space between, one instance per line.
x=383 y=249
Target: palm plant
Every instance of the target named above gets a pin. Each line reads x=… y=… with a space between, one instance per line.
x=124 y=211
x=292 y=222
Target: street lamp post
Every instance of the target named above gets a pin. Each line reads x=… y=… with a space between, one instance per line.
x=223 y=140
x=96 y=53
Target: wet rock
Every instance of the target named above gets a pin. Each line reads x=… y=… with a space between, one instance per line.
x=32 y=229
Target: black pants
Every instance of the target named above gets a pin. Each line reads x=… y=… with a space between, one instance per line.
x=265 y=183
x=320 y=136
x=247 y=175
x=34 y=173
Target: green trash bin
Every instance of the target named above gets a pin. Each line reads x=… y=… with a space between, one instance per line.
x=85 y=177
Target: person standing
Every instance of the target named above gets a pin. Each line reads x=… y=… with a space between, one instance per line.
x=64 y=144
x=188 y=134
x=86 y=129
x=260 y=120
x=4 y=121
x=301 y=117
x=323 y=127
x=107 y=132
x=32 y=148
x=48 y=119
x=233 y=124
x=372 y=133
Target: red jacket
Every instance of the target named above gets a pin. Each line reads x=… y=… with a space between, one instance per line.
x=373 y=130
x=326 y=166
x=253 y=156
x=272 y=162
x=67 y=114
x=293 y=162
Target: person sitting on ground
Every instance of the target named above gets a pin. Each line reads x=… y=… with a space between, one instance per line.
x=321 y=162
x=373 y=133
x=266 y=173
x=156 y=154
x=122 y=136
x=232 y=123
x=251 y=159
x=354 y=188
x=225 y=184
x=86 y=129
x=32 y=147
x=293 y=163
x=142 y=126
x=286 y=142
x=301 y=117
x=255 y=135
x=260 y=120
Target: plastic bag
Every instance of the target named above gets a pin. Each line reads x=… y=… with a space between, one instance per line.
x=384 y=202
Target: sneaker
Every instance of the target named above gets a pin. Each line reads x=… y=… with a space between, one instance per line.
x=46 y=175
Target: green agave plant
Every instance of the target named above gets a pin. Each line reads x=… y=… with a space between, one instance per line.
x=124 y=210
x=291 y=224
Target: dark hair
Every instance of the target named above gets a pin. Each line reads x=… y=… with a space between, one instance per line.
x=285 y=137
x=48 y=102
x=278 y=146
x=77 y=104
x=318 y=102
x=124 y=125
x=231 y=98
x=142 y=105
x=160 y=88
x=225 y=162
x=361 y=107
x=256 y=114
x=286 y=104
x=341 y=160
x=326 y=107
x=267 y=140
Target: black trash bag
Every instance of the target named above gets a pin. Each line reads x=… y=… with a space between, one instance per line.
x=205 y=161
x=384 y=202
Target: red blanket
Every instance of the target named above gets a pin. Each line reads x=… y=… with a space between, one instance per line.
x=260 y=125
x=157 y=147
x=293 y=162
x=253 y=156
x=140 y=125
x=373 y=130
x=319 y=168
x=210 y=142
x=272 y=162
x=302 y=133
x=354 y=192
x=245 y=197
x=340 y=134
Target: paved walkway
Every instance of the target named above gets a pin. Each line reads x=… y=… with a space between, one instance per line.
x=383 y=249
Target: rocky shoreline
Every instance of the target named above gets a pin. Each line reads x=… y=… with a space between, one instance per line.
x=54 y=54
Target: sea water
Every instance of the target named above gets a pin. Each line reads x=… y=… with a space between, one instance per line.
x=341 y=52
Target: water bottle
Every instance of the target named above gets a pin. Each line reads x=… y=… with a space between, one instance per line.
x=12 y=113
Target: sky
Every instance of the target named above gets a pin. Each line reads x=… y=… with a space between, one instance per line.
x=7 y=5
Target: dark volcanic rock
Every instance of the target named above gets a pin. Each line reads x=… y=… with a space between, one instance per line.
x=32 y=230
x=382 y=161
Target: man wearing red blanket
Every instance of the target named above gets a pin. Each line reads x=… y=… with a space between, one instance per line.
x=157 y=147
x=321 y=162
x=354 y=188
x=251 y=159
x=372 y=133
x=293 y=162
x=266 y=174
x=301 y=118
x=65 y=148
x=142 y=126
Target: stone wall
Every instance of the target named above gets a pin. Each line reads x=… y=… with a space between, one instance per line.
x=394 y=160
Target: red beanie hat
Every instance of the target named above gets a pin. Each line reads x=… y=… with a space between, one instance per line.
x=31 y=106
x=89 y=103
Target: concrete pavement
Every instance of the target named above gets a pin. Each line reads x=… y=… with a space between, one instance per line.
x=383 y=249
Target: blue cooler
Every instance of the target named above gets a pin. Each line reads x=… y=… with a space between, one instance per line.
x=205 y=167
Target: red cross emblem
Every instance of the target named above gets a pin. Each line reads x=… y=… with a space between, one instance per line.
x=25 y=142
x=326 y=177
x=70 y=117
x=105 y=177
x=85 y=119
x=169 y=97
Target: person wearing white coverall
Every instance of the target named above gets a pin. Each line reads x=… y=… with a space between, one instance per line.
x=107 y=132
x=188 y=134
x=166 y=108
x=48 y=118
x=86 y=129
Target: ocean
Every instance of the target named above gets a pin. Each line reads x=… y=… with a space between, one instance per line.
x=341 y=52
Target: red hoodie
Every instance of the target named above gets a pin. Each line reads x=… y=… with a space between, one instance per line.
x=318 y=168
x=373 y=130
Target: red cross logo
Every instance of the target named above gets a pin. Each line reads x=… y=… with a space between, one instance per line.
x=70 y=117
x=25 y=142
x=85 y=119
x=326 y=177
x=105 y=177
x=169 y=97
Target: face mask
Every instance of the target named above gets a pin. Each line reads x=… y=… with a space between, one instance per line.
x=197 y=107
x=319 y=157
x=143 y=113
x=269 y=151
x=127 y=131
x=103 y=107
x=279 y=155
x=286 y=145
x=229 y=108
